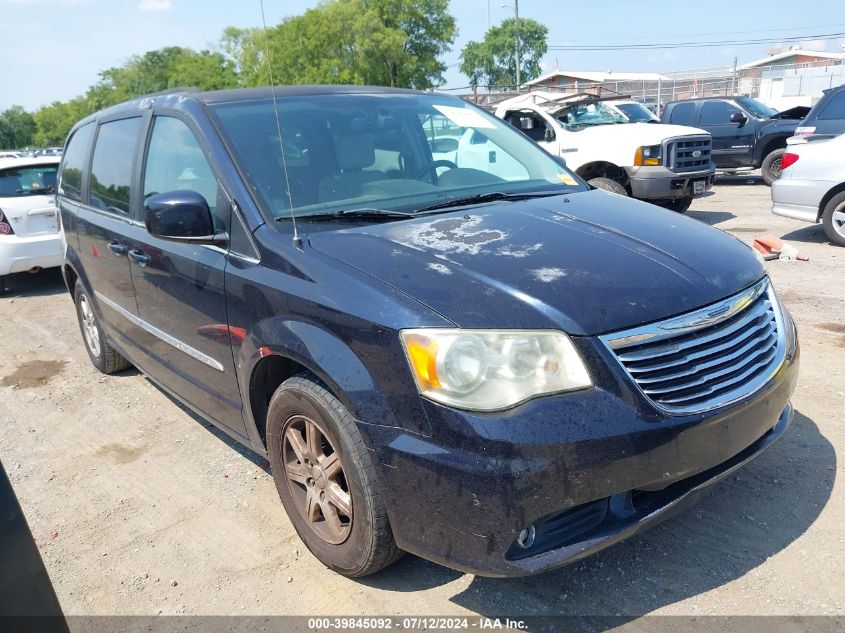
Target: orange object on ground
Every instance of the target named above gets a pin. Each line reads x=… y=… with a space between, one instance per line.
x=771 y=247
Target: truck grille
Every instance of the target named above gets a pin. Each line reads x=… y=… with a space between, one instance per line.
x=689 y=153
x=707 y=358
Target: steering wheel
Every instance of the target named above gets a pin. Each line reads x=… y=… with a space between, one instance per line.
x=432 y=168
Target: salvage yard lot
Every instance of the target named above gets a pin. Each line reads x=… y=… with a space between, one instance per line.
x=140 y=508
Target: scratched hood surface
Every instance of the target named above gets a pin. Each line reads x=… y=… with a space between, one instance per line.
x=593 y=264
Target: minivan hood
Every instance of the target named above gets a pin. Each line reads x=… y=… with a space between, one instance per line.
x=587 y=263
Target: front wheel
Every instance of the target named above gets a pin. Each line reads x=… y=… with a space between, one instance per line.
x=679 y=205
x=771 y=167
x=833 y=219
x=326 y=479
x=608 y=184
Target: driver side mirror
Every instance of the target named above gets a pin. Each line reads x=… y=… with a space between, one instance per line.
x=182 y=216
x=549 y=134
x=738 y=117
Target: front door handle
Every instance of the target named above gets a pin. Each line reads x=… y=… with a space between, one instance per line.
x=140 y=258
x=117 y=248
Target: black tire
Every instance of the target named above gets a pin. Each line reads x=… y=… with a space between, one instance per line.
x=608 y=184
x=368 y=545
x=103 y=356
x=770 y=168
x=2 y=284
x=679 y=205
x=835 y=205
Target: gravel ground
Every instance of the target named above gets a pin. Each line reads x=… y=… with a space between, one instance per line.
x=140 y=508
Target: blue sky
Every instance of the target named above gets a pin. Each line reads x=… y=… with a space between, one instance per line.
x=53 y=49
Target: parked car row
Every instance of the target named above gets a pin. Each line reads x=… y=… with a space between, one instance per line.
x=442 y=338
x=617 y=145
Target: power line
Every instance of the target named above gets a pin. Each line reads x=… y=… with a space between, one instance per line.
x=788 y=28
x=621 y=47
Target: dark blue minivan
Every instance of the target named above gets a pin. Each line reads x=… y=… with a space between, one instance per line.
x=442 y=339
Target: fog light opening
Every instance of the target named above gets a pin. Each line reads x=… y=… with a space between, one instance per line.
x=526 y=537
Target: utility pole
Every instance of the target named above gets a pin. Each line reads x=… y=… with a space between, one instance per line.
x=733 y=79
x=516 y=28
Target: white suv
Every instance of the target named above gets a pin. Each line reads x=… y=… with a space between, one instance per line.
x=30 y=233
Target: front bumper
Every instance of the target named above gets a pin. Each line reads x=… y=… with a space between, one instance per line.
x=588 y=469
x=660 y=183
x=19 y=254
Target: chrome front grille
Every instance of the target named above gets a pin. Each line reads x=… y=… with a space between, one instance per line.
x=707 y=358
x=689 y=153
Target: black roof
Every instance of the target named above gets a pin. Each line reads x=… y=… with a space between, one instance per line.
x=175 y=96
x=711 y=98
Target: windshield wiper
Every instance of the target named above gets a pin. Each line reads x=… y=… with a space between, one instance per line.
x=489 y=197
x=353 y=214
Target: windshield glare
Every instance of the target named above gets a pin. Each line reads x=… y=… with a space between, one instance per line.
x=395 y=152
x=636 y=112
x=581 y=116
x=757 y=108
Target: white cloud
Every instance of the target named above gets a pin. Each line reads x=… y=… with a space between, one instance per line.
x=154 y=5
x=814 y=45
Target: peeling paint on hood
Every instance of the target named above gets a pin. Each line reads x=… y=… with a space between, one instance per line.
x=597 y=264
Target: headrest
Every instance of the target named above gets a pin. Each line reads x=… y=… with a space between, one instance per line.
x=354 y=151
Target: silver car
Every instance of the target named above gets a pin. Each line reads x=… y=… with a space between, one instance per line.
x=812 y=187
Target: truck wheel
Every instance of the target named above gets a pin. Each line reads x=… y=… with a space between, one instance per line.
x=679 y=205
x=326 y=479
x=103 y=356
x=2 y=284
x=771 y=166
x=608 y=184
x=833 y=219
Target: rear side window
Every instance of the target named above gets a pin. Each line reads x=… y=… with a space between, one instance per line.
x=717 y=112
x=111 y=169
x=70 y=180
x=835 y=108
x=683 y=114
x=17 y=182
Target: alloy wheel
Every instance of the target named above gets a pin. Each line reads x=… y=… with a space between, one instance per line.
x=89 y=326
x=838 y=220
x=316 y=480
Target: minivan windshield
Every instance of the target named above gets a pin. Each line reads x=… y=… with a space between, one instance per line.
x=757 y=108
x=381 y=153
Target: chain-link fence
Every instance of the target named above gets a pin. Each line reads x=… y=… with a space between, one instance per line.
x=779 y=85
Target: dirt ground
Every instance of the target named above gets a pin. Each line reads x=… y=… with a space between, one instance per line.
x=140 y=508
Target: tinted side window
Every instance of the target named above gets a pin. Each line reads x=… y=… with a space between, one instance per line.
x=835 y=108
x=717 y=112
x=175 y=162
x=70 y=179
x=111 y=169
x=683 y=114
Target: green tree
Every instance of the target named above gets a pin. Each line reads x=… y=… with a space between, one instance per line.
x=17 y=128
x=380 y=42
x=492 y=61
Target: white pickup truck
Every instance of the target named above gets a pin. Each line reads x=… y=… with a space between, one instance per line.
x=669 y=165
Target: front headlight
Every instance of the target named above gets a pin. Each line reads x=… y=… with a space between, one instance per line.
x=490 y=370
x=648 y=156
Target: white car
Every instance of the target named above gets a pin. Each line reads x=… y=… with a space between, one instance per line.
x=668 y=165
x=812 y=186
x=30 y=232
